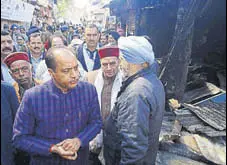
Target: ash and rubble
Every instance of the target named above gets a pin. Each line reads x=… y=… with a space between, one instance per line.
x=194 y=131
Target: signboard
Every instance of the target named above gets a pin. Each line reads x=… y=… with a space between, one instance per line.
x=16 y=10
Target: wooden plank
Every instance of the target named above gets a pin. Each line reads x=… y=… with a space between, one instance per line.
x=170 y=127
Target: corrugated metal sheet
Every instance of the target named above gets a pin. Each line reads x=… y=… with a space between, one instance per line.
x=206 y=120
x=212 y=111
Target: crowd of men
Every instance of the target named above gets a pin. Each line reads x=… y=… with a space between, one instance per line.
x=78 y=96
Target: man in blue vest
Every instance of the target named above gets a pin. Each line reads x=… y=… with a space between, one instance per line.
x=87 y=53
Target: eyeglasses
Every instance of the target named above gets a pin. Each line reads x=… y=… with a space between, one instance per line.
x=24 y=69
x=112 y=64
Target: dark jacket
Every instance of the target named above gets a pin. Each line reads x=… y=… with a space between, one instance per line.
x=80 y=57
x=132 y=130
x=9 y=105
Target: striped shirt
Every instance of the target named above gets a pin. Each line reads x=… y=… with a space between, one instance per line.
x=47 y=116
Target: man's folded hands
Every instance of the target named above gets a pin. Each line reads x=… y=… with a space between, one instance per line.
x=67 y=149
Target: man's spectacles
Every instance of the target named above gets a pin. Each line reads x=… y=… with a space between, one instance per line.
x=17 y=71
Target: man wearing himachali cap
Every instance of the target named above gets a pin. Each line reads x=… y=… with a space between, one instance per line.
x=132 y=130
x=21 y=70
x=107 y=81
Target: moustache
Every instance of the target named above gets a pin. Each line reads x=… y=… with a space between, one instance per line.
x=22 y=80
x=7 y=48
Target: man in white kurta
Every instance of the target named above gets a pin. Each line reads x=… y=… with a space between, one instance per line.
x=107 y=81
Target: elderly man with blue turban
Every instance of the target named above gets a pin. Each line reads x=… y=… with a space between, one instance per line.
x=132 y=130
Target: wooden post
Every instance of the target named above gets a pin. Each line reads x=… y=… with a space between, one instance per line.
x=175 y=70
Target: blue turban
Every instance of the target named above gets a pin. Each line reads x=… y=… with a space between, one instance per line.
x=136 y=50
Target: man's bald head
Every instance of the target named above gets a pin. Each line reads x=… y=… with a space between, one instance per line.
x=52 y=53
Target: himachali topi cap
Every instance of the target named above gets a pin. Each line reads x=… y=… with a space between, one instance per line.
x=112 y=51
x=15 y=57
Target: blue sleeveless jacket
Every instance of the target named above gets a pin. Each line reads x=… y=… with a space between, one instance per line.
x=80 y=57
